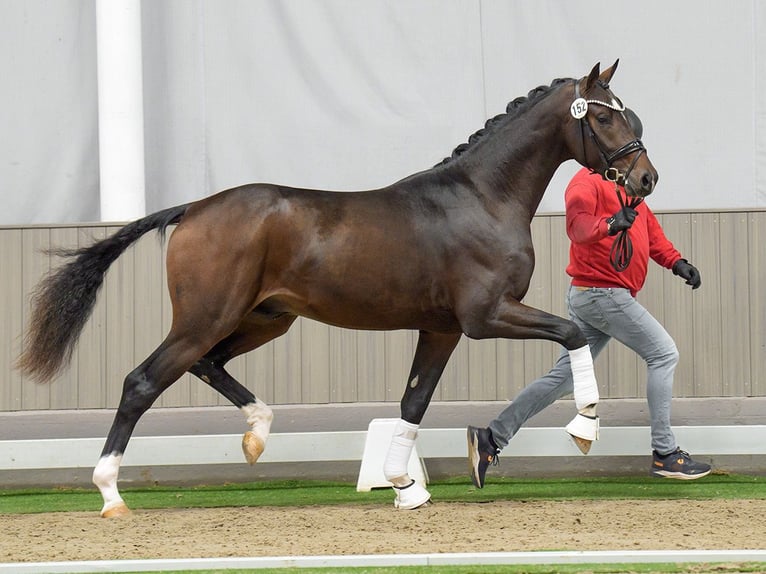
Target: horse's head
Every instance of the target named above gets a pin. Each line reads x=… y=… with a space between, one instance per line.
x=608 y=138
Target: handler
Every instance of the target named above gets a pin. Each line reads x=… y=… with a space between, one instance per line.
x=601 y=301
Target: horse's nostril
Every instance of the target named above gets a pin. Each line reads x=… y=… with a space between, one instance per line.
x=647 y=182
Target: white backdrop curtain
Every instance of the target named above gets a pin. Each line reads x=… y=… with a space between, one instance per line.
x=347 y=95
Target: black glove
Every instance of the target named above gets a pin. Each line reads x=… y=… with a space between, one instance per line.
x=687 y=271
x=621 y=220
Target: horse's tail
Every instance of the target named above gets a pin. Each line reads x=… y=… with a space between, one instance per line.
x=63 y=301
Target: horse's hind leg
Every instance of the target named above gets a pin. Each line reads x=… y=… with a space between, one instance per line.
x=254 y=331
x=140 y=389
x=431 y=356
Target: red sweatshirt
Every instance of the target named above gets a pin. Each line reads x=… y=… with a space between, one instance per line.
x=590 y=200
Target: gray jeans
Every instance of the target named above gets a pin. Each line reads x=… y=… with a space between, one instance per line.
x=603 y=313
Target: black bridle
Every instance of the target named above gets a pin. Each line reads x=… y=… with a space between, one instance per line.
x=622 y=248
x=608 y=158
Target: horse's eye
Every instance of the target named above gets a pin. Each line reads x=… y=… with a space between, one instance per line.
x=602 y=119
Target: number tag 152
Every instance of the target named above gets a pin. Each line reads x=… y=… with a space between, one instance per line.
x=579 y=108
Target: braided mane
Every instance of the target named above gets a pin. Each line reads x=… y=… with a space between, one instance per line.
x=514 y=108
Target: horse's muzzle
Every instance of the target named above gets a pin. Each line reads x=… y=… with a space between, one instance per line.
x=642 y=185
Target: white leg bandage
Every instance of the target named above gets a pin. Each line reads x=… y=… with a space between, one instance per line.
x=584 y=377
x=402 y=443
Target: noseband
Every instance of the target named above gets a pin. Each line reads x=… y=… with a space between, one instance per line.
x=579 y=110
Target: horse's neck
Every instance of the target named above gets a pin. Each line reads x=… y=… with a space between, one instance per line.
x=518 y=162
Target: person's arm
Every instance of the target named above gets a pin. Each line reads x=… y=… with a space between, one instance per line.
x=584 y=224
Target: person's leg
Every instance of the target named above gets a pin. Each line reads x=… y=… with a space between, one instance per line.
x=484 y=444
x=631 y=324
x=618 y=314
x=531 y=400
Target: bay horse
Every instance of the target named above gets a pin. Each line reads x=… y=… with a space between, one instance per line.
x=446 y=251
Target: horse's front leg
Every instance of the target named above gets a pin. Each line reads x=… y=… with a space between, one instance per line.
x=514 y=320
x=431 y=356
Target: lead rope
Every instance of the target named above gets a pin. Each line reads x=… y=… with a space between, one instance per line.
x=622 y=248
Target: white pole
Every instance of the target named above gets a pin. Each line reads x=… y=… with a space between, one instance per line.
x=120 y=110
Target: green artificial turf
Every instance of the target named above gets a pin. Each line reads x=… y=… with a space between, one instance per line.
x=308 y=493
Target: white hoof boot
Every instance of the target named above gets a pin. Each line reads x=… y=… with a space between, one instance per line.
x=410 y=497
x=584 y=430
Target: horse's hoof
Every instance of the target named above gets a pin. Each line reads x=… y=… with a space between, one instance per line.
x=252 y=446
x=116 y=511
x=583 y=444
x=411 y=497
x=584 y=430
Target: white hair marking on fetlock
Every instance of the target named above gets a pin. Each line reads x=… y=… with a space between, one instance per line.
x=105 y=478
x=259 y=416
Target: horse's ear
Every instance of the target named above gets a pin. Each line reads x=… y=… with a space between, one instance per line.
x=606 y=77
x=593 y=76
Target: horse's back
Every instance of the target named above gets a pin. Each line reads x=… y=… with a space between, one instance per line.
x=302 y=251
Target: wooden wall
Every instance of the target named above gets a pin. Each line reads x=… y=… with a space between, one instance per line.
x=720 y=329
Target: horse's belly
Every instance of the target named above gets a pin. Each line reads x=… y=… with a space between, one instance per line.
x=345 y=312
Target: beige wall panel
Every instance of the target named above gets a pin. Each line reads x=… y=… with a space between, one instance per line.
x=482 y=368
x=558 y=259
x=371 y=361
x=344 y=357
x=288 y=365
x=315 y=350
x=510 y=369
x=538 y=354
x=455 y=381
x=400 y=350
x=757 y=299
x=14 y=300
x=705 y=327
x=734 y=303
x=720 y=329
x=679 y=311
x=260 y=372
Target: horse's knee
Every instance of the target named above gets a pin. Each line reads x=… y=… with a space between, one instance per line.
x=572 y=336
x=138 y=393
